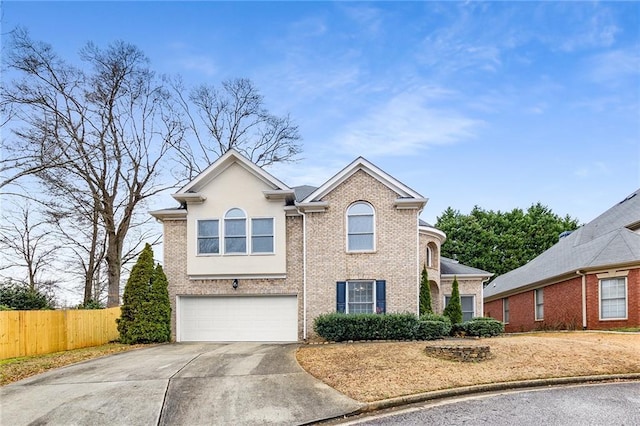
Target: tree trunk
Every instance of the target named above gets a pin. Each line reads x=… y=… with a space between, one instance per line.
x=114 y=264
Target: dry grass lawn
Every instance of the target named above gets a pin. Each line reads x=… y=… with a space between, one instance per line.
x=14 y=369
x=374 y=371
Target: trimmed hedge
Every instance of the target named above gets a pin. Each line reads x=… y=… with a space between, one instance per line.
x=338 y=327
x=483 y=327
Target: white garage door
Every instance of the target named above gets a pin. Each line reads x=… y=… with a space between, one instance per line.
x=237 y=319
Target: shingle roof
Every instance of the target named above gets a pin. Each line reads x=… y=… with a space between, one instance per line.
x=303 y=191
x=452 y=267
x=609 y=239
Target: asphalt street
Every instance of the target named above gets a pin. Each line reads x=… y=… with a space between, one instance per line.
x=608 y=404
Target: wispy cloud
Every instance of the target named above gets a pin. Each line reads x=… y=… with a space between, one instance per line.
x=185 y=58
x=615 y=65
x=405 y=125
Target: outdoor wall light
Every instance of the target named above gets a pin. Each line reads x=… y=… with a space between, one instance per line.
x=235 y=284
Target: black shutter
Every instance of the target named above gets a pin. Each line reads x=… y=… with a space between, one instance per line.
x=341 y=296
x=381 y=299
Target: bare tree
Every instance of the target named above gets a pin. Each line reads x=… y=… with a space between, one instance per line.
x=234 y=116
x=104 y=132
x=25 y=243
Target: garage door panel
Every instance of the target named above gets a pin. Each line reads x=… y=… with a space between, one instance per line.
x=254 y=318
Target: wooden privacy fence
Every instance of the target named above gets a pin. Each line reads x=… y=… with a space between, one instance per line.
x=24 y=333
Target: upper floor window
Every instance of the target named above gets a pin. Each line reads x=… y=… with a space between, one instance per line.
x=235 y=231
x=208 y=237
x=262 y=235
x=613 y=298
x=360 y=227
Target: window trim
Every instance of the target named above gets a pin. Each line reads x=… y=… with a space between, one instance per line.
x=272 y=235
x=225 y=219
x=505 y=310
x=536 y=304
x=473 y=298
x=626 y=299
x=373 y=233
x=373 y=295
x=198 y=238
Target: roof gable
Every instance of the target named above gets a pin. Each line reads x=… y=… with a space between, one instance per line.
x=358 y=164
x=190 y=190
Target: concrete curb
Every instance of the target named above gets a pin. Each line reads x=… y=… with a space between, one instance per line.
x=479 y=389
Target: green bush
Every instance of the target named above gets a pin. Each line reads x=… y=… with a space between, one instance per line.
x=433 y=326
x=15 y=295
x=92 y=304
x=146 y=311
x=483 y=327
x=453 y=310
x=339 y=327
x=425 y=292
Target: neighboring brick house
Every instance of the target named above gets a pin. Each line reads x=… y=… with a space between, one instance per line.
x=249 y=258
x=590 y=279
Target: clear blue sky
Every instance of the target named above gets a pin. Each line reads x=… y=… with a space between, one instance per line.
x=499 y=105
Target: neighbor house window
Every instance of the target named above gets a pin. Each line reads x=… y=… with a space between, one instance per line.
x=208 y=237
x=539 y=297
x=505 y=310
x=262 y=235
x=360 y=227
x=613 y=298
x=235 y=231
x=360 y=297
x=468 y=306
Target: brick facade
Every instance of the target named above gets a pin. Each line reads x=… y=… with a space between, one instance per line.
x=563 y=306
x=394 y=258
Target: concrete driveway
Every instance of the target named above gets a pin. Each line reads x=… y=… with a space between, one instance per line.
x=177 y=384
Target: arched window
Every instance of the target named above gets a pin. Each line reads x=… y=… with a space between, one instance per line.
x=429 y=257
x=235 y=231
x=360 y=227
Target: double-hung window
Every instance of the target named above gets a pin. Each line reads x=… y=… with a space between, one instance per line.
x=360 y=227
x=505 y=310
x=235 y=231
x=208 y=237
x=613 y=298
x=468 y=306
x=360 y=297
x=262 y=235
x=539 y=298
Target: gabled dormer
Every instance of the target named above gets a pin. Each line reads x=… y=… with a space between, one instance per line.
x=407 y=198
x=236 y=225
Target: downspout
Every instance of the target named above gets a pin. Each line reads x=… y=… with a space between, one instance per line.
x=304 y=275
x=418 y=272
x=584 y=298
x=482 y=296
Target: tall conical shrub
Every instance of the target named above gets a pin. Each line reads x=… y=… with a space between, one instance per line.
x=454 y=307
x=157 y=312
x=425 y=293
x=146 y=310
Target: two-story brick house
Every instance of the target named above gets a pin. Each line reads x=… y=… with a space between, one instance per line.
x=249 y=258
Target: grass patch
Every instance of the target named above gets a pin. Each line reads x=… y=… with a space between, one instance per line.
x=627 y=329
x=14 y=369
x=374 y=371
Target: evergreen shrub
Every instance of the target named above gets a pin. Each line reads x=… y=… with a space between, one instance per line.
x=483 y=327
